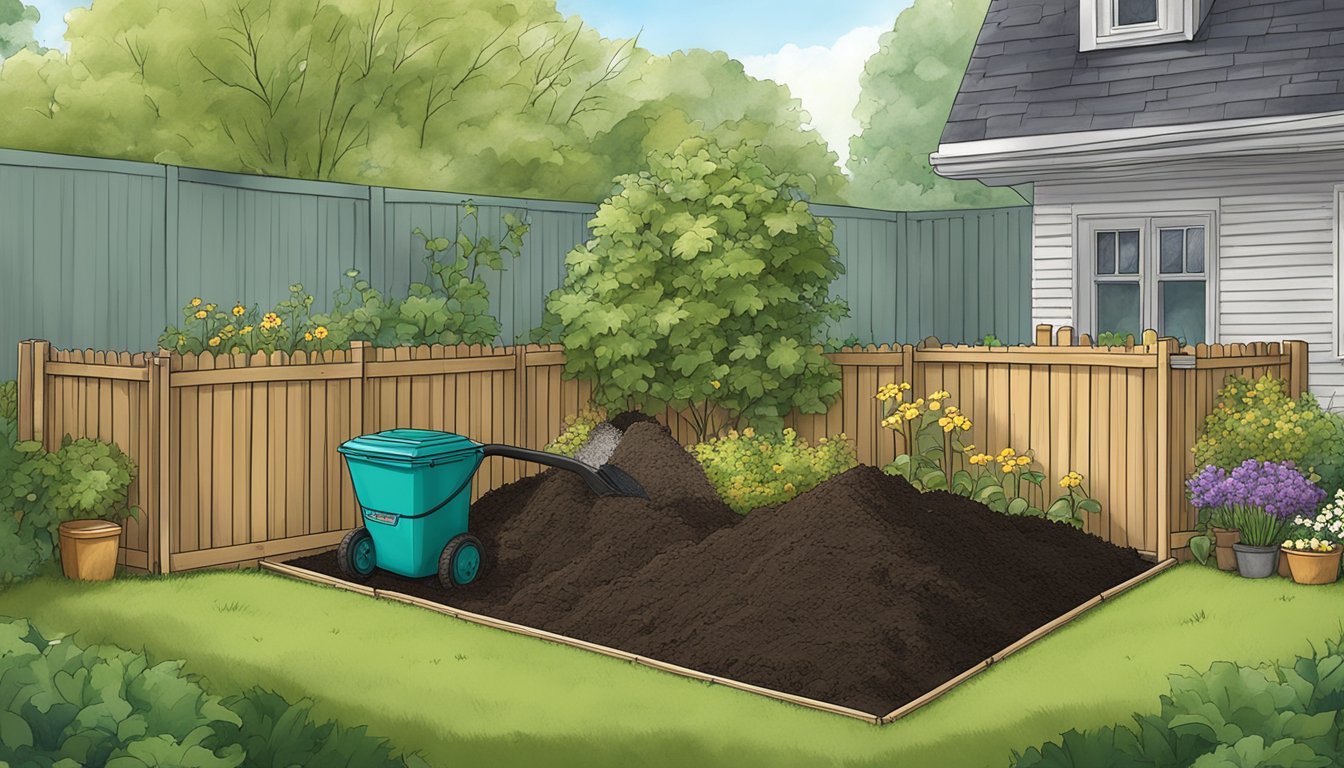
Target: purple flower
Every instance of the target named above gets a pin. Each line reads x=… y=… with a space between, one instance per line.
x=1275 y=487
x=1207 y=489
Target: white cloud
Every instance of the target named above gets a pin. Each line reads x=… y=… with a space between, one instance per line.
x=826 y=80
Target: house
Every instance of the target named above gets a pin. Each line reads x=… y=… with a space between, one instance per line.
x=1187 y=158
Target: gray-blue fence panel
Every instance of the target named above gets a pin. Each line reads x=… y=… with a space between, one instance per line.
x=79 y=244
x=104 y=253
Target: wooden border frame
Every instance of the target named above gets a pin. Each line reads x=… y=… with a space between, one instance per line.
x=901 y=712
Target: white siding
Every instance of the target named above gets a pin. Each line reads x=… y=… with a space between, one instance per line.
x=1275 y=244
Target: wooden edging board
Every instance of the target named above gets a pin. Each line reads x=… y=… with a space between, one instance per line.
x=1031 y=637
x=802 y=701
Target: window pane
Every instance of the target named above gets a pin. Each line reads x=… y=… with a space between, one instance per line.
x=1171 y=251
x=1118 y=308
x=1183 y=310
x=1194 y=250
x=1128 y=256
x=1135 y=12
x=1105 y=253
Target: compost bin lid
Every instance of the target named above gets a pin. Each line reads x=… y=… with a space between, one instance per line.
x=409 y=445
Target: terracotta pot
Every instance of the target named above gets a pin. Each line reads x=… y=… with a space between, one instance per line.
x=89 y=549
x=1314 y=567
x=1224 y=538
x=1284 y=570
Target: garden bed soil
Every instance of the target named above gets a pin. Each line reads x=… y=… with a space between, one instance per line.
x=862 y=592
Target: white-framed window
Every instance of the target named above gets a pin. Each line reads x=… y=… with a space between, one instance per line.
x=1141 y=272
x=1124 y=23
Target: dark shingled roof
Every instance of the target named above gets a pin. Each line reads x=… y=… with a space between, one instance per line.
x=1251 y=58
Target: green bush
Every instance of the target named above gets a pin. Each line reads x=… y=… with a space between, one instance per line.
x=452 y=307
x=574 y=432
x=706 y=284
x=1257 y=419
x=1230 y=716
x=9 y=416
x=752 y=470
x=67 y=706
x=39 y=490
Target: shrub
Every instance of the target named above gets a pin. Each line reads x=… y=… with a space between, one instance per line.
x=83 y=479
x=1230 y=716
x=68 y=706
x=451 y=307
x=574 y=432
x=706 y=284
x=752 y=470
x=9 y=417
x=1259 y=420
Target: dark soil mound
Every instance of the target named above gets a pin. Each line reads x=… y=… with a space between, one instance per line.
x=625 y=420
x=862 y=592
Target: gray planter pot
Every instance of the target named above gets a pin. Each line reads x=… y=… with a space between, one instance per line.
x=1256 y=562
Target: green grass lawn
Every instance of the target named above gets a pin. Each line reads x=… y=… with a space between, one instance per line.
x=467 y=695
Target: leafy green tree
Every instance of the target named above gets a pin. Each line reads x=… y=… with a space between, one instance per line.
x=908 y=89
x=705 y=284
x=473 y=96
x=17 y=22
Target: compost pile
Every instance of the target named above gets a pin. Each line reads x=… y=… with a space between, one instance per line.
x=862 y=592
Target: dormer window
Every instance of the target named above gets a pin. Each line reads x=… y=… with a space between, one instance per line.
x=1127 y=23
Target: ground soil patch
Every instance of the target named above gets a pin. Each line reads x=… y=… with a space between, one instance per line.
x=862 y=592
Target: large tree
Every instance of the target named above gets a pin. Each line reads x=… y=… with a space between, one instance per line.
x=473 y=96
x=17 y=22
x=908 y=89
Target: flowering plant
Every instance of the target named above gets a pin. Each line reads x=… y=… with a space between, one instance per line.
x=1310 y=545
x=753 y=469
x=930 y=429
x=1257 y=497
x=1327 y=527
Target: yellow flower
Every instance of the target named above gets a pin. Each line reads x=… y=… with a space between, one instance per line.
x=1008 y=468
x=1023 y=461
x=239 y=310
x=732 y=434
x=980 y=459
x=320 y=331
x=181 y=339
x=307 y=337
x=1006 y=452
x=778 y=468
x=716 y=384
x=196 y=302
x=214 y=342
x=200 y=315
x=935 y=405
x=941 y=394
x=749 y=432
x=246 y=330
x=271 y=320
x=788 y=488
x=912 y=414
x=210 y=307
x=1065 y=482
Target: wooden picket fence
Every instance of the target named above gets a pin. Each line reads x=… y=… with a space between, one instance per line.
x=237 y=456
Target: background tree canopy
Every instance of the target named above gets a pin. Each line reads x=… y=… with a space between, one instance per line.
x=17 y=22
x=474 y=96
x=908 y=89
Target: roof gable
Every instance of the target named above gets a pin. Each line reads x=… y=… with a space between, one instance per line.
x=1251 y=58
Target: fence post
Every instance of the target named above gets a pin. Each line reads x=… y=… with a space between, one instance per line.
x=24 y=391
x=520 y=394
x=1164 y=431
x=160 y=371
x=1043 y=335
x=357 y=352
x=41 y=350
x=1297 y=366
x=1064 y=336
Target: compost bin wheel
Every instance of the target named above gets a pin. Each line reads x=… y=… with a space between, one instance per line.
x=356 y=556
x=463 y=560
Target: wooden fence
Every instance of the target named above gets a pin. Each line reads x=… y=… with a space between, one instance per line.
x=237 y=457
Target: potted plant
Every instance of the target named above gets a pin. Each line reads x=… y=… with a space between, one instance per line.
x=1258 y=498
x=1217 y=531
x=1314 y=557
x=77 y=495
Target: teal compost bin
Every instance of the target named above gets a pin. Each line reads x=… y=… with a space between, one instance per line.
x=414 y=489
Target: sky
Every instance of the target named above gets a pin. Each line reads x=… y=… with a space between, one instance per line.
x=817 y=50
